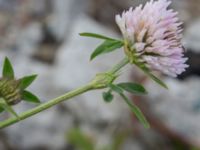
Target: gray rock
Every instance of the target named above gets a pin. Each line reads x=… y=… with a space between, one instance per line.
x=178 y=108
x=192 y=36
x=65 y=13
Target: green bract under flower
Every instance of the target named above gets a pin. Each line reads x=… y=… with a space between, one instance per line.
x=133 y=57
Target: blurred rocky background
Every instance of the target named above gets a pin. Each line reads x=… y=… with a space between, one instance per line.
x=41 y=36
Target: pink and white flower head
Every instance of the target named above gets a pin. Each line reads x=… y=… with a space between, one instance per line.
x=154 y=34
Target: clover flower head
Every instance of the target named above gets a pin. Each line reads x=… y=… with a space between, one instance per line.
x=154 y=34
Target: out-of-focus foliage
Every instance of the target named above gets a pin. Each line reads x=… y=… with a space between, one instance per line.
x=82 y=141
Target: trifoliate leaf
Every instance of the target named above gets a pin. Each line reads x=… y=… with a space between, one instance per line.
x=30 y=97
x=8 y=71
x=8 y=108
x=136 y=110
x=107 y=96
x=133 y=88
x=26 y=81
x=106 y=47
x=116 y=88
x=98 y=36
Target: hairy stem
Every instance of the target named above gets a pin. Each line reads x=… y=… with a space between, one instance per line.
x=91 y=86
x=45 y=106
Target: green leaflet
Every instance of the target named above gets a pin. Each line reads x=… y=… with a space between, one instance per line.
x=26 y=81
x=8 y=71
x=107 y=96
x=30 y=97
x=133 y=88
x=153 y=77
x=157 y=80
x=136 y=110
x=129 y=87
x=106 y=47
x=116 y=88
x=98 y=36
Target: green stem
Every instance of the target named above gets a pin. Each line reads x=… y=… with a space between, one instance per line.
x=120 y=65
x=67 y=96
x=45 y=106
